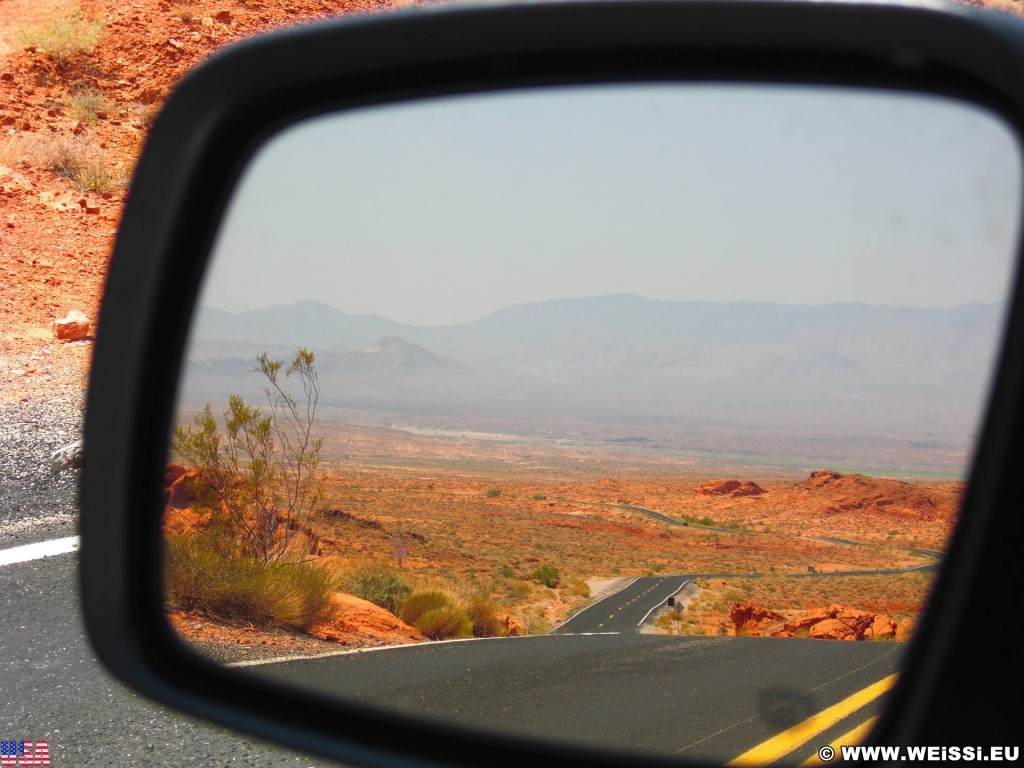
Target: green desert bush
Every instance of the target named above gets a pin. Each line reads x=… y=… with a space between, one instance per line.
x=419 y=603
x=483 y=616
x=262 y=468
x=380 y=584
x=87 y=104
x=546 y=575
x=447 y=622
x=198 y=577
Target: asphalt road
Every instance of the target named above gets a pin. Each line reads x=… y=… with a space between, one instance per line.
x=52 y=688
x=625 y=610
x=712 y=698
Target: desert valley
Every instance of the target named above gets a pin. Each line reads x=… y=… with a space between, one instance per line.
x=522 y=500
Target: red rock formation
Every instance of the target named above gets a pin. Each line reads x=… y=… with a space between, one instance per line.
x=835 y=622
x=180 y=490
x=73 y=326
x=753 y=618
x=855 y=493
x=748 y=488
x=185 y=511
x=729 y=488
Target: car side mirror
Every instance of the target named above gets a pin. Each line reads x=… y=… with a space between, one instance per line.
x=594 y=258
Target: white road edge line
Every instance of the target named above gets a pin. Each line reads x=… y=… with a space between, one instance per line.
x=379 y=648
x=658 y=605
x=613 y=594
x=38 y=550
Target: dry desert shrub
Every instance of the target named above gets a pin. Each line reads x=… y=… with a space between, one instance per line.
x=434 y=610
x=447 y=622
x=64 y=35
x=379 y=583
x=420 y=602
x=198 y=577
x=86 y=105
x=75 y=158
x=536 y=624
x=580 y=588
x=482 y=613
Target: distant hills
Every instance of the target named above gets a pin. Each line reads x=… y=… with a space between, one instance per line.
x=767 y=374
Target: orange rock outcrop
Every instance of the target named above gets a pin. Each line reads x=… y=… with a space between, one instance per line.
x=835 y=622
x=847 y=493
x=355 y=621
x=729 y=488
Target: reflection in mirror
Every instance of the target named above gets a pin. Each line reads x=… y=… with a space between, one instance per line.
x=666 y=393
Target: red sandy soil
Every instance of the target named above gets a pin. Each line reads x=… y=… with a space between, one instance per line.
x=493 y=527
x=355 y=624
x=54 y=240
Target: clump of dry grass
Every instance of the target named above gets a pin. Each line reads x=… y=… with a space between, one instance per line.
x=86 y=105
x=64 y=35
x=452 y=611
x=76 y=158
x=446 y=622
x=419 y=603
x=197 y=577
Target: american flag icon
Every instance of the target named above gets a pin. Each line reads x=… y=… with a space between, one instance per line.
x=24 y=753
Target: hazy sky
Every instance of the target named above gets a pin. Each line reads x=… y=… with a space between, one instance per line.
x=444 y=211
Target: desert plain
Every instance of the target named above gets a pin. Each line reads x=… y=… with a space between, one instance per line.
x=483 y=513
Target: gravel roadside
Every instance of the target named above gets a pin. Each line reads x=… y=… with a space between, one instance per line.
x=37 y=503
x=54 y=689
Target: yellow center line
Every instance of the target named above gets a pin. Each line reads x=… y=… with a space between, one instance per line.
x=848 y=739
x=776 y=747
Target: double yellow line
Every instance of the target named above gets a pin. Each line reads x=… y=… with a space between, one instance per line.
x=781 y=745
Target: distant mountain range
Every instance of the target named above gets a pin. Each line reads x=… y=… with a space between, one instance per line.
x=779 y=373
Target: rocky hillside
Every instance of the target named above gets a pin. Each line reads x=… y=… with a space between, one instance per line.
x=79 y=87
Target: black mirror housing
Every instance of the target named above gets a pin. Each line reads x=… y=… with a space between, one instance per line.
x=219 y=115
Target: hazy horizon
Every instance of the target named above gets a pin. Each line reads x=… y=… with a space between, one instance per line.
x=443 y=211
x=1000 y=302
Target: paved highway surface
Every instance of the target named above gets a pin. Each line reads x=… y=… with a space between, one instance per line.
x=627 y=609
x=712 y=698
x=596 y=681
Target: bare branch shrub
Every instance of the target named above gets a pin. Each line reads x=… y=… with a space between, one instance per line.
x=262 y=471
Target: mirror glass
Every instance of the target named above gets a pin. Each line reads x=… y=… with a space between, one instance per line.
x=634 y=416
